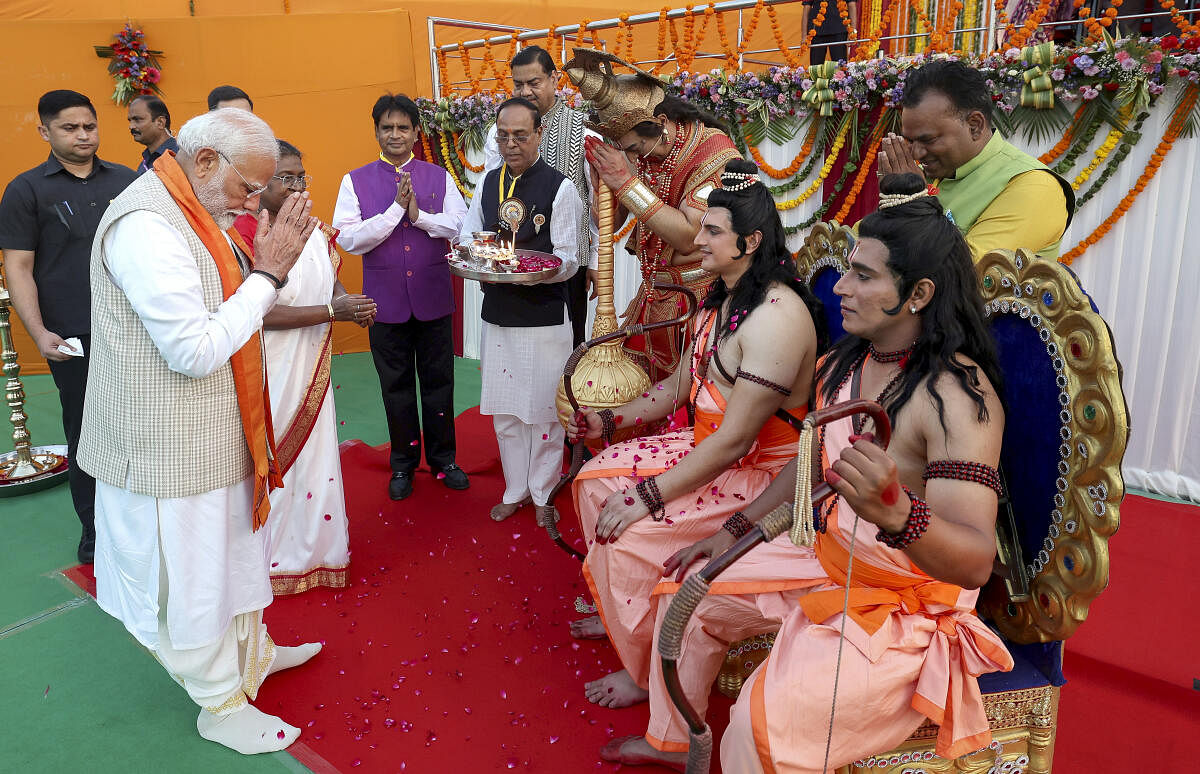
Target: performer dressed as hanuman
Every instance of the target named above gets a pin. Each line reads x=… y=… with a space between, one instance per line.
x=668 y=157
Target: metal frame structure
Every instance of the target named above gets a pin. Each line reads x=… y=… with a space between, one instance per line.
x=571 y=31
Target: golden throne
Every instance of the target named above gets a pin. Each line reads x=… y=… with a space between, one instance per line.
x=1065 y=434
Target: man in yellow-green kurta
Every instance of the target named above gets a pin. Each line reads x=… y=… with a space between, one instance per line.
x=998 y=196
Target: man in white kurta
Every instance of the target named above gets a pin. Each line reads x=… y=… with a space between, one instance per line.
x=526 y=336
x=178 y=560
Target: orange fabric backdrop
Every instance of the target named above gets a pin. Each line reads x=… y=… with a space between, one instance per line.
x=313 y=79
x=313 y=67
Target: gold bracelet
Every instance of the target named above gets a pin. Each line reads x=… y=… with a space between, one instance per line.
x=330 y=308
x=637 y=197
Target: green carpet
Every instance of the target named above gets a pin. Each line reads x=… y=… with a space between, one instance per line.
x=110 y=707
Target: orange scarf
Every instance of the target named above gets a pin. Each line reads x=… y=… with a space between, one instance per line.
x=248 y=375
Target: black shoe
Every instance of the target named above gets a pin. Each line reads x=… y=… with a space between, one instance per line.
x=87 y=546
x=454 y=477
x=400 y=486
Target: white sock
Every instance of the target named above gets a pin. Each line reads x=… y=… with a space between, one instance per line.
x=286 y=658
x=247 y=731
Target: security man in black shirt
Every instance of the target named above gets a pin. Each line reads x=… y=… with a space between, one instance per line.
x=48 y=218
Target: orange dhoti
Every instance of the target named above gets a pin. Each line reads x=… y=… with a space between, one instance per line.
x=913 y=650
x=622 y=575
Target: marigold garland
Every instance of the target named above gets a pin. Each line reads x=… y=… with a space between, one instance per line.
x=1030 y=26
x=791 y=58
x=489 y=63
x=834 y=151
x=466 y=63
x=1061 y=146
x=443 y=76
x=1128 y=140
x=1186 y=29
x=837 y=187
x=1098 y=157
x=813 y=26
x=790 y=169
x=1156 y=159
x=462 y=157
x=851 y=25
x=863 y=168
x=731 y=54
x=449 y=166
x=751 y=27
x=1081 y=143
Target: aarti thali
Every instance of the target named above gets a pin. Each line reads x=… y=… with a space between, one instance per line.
x=487 y=260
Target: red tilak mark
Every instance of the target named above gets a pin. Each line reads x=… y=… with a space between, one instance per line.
x=891 y=494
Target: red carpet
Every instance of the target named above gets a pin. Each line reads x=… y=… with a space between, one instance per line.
x=450 y=652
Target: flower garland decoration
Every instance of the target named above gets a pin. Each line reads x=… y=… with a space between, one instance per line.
x=1128 y=140
x=448 y=165
x=1098 y=157
x=465 y=58
x=1178 y=121
x=793 y=59
x=731 y=53
x=1081 y=144
x=134 y=65
x=1061 y=146
x=489 y=63
x=834 y=151
x=863 y=168
x=751 y=27
x=851 y=26
x=462 y=157
x=443 y=75
x=798 y=180
x=1181 y=22
x=847 y=168
x=1030 y=27
x=661 y=49
x=790 y=169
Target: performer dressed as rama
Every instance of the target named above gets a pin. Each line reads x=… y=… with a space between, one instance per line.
x=668 y=156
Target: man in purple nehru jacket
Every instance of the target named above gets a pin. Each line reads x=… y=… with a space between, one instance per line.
x=397 y=213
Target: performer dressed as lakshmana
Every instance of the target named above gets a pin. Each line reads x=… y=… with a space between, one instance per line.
x=920 y=517
x=668 y=157
x=309 y=531
x=749 y=396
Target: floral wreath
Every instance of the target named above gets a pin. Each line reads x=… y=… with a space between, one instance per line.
x=134 y=66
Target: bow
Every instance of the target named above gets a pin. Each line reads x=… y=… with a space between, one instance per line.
x=1038 y=91
x=819 y=95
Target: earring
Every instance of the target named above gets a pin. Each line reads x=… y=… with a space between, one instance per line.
x=913 y=309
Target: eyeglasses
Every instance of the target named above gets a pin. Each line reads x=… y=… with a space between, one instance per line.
x=506 y=139
x=300 y=182
x=251 y=189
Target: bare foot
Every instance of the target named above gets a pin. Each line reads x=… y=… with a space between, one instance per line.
x=502 y=511
x=636 y=751
x=615 y=690
x=590 y=628
x=286 y=658
x=545 y=513
x=247 y=731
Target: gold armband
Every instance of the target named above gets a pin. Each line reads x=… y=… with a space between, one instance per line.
x=641 y=202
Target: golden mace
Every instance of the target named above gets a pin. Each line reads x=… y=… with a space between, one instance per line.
x=605 y=376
